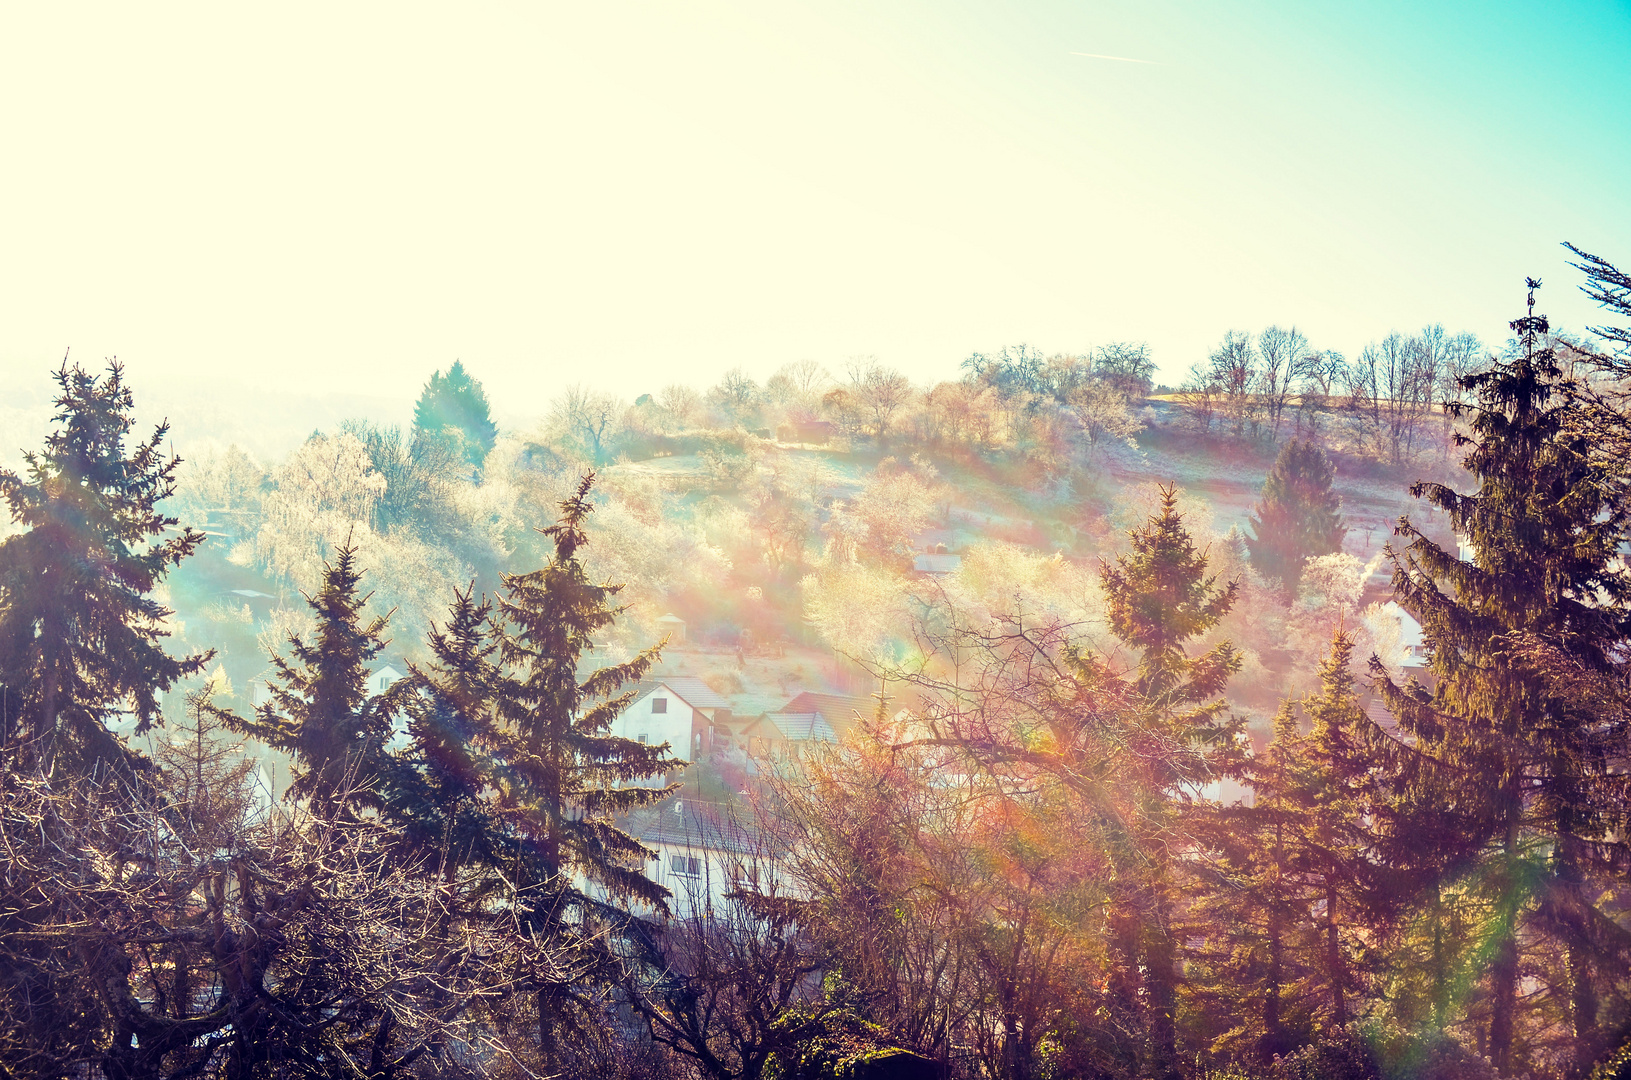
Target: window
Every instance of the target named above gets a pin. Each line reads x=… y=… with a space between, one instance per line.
x=642 y=738
x=659 y=704
x=689 y=865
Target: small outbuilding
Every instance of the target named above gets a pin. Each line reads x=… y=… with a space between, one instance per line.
x=672 y=627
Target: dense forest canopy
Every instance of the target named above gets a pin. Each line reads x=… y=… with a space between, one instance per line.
x=1042 y=722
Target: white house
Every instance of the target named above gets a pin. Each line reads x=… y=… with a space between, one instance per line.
x=704 y=853
x=1410 y=636
x=672 y=627
x=679 y=710
x=381 y=680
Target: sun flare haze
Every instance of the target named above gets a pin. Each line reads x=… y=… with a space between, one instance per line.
x=347 y=197
x=815 y=541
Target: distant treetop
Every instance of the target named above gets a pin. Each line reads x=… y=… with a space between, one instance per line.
x=453 y=409
x=1298 y=516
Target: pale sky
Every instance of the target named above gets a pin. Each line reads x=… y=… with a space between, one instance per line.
x=345 y=197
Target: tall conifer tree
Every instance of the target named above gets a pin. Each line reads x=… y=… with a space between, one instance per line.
x=568 y=778
x=1525 y=768
x=81 y=635
x=1297 y=516
x=1289 y=894
x=440 y=789
x=1160 y=597
x=321 y=713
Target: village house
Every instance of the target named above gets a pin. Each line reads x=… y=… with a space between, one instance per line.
x=807 y=719
x=672 y=627
x=680 y=710
x=936 y=560
x=381 y=679
x=704 y=852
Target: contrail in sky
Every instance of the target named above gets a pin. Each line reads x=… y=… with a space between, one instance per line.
x=1124 y=59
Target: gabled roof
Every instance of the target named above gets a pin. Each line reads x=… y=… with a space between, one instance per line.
x=837 y=710
x=746 y=707
x=801 y=727
x=690 y=689
x=811 y=717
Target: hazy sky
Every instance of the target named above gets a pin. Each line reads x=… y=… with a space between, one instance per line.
x=625 y=194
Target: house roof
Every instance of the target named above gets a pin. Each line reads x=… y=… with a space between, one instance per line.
x=1376 y=710
x=692 y=690
x=802 y=726
x=701 y=825
x=745 y=707
x=836 y=709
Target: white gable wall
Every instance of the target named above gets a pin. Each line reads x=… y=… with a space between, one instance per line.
x=701 y=876
x=677 y=726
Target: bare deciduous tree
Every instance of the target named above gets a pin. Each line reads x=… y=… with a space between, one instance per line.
x=734 y=980
x=682 y=404
x=879 y=393
x=736 y=396
x=799 y=383
x=1320 y=374
x=1283 y=354
x=177 y=926
x=1125 y=365
x=588 y=418
x=1104 y=415
x=1199 y=396
x=1234 y=372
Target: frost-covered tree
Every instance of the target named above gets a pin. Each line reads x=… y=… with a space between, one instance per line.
x=453 y=414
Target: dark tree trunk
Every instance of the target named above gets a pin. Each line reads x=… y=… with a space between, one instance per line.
x=1333 y=957
x=1503 y=968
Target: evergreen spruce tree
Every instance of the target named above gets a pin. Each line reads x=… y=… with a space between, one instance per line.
x=1341 y=844
x=1297 y=515
x=320 y=713
x=567 y=780
x=1255 y=906
x=439 y=790
x=453 y=413
x=1611 y=288
x=81 y=636
x=1160 y=598
x=1288 y=893
x=1521 y=763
